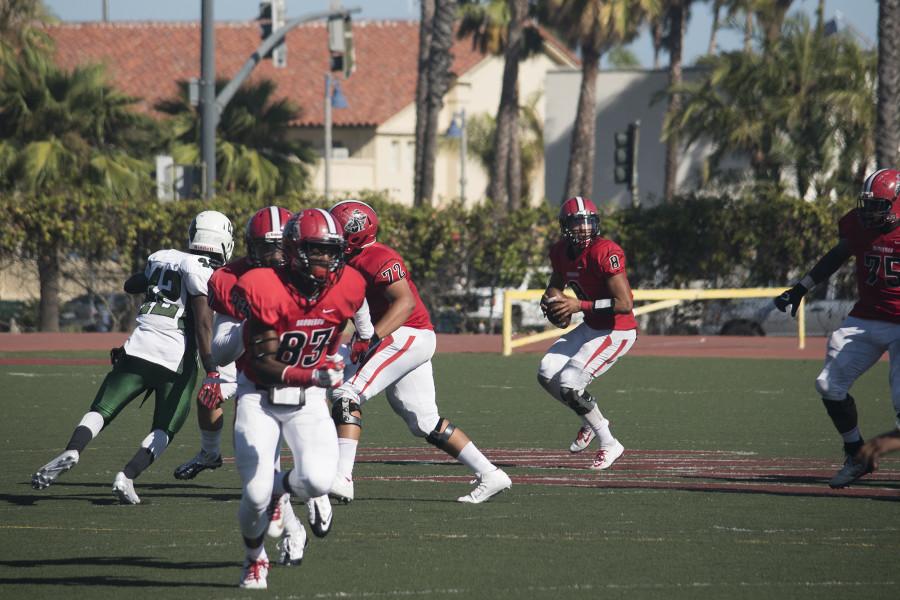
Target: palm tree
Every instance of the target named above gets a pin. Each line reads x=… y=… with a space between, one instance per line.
x=501 y=26
x=253 y=150
x=888 y=126
x=714 y=30
x=67 y=141
x=676 y=12
x=594 y=26
x=434 y=80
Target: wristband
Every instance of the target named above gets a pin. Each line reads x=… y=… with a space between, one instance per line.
x=297 y=376
x=604 y=305
x=808 y=282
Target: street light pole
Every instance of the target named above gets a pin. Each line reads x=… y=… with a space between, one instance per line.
x=463 y=150
x=328 y=136
x=209 y=116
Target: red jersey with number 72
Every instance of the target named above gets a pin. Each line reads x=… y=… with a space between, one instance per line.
x=381 y=266
x=308 y=331
x=877 y=269
x=588 y=275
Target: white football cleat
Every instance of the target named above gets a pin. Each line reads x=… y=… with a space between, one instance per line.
x=607 y=456
x=53 y=469
x=123 y=488
x=291 y=547
x=320 y=515
x=254 y=575
x=276 y=518
x=342 y=489
x=489 y=485
x=583 y=439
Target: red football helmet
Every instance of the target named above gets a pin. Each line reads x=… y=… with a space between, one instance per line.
x=358 y=221
x=263 y=235
x=877 y=206
x=313 y=247
x=579 y=221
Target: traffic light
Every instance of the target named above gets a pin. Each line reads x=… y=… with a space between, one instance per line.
x=271 y=18
x=340 y=44
x=625 y=155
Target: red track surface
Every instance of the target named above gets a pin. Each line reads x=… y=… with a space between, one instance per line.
x=647 y=345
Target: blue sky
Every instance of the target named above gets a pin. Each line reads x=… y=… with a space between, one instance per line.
x=862 y=14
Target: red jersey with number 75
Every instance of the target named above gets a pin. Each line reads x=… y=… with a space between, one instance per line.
x=308 y=331
x=588 y=273
x=877 y=269
x=381 y=266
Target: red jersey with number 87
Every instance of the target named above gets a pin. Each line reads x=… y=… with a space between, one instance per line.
x=588 y=275
x=877 y=269
x=307 y=331
x=381 y=266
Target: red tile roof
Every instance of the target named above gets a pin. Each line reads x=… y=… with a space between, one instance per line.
x=145 y=59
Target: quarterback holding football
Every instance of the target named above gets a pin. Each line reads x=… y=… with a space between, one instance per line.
x=593 y=267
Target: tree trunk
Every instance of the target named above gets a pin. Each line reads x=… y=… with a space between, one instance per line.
x=425 y=33
x=676 y=39
x=515 y=168
x=714 y=30
x=48 y=274
x=748 y=31
x=439 y=62
x=508 y=110
x=580 y=174
x=888 y=124
x=656 y=28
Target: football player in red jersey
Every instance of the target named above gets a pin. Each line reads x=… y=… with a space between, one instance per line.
x=262 y=237
x=869 y=233
x=594 y=268
x=397 y=359
x=295 y=316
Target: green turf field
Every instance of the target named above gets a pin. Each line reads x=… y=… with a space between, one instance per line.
x=663 y=523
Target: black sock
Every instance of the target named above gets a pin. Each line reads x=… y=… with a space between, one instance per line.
x=138 y=463
x=842 y=413
x=851 y=448
x=80 y=439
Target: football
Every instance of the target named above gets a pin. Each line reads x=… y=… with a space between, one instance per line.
x=545 y=305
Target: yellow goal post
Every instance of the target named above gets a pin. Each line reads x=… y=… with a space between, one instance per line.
x=658 y=300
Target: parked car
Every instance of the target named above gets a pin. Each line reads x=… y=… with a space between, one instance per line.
x=758 y=316
x=92 y=312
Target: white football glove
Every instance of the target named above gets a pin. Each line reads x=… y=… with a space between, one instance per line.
x=331 y=373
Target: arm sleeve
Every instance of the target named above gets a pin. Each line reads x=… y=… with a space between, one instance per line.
x=362 y=321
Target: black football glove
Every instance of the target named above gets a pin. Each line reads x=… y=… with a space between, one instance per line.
x=116 y=355
x=793 y=297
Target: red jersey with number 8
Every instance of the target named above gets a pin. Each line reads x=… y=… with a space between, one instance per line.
x=588 y=274
x=381 y=266
x=877 y=269
x=221 y=283
x=307 y=331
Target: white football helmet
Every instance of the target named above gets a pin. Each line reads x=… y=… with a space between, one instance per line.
x=211 y=232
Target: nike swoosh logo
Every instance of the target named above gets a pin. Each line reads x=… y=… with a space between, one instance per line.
x=327 y=310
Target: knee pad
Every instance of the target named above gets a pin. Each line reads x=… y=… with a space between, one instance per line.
x=545 y=382
x=441 y=439
x=341 y=411
x=581 y=402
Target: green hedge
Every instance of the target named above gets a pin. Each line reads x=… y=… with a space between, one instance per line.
x=718 y=241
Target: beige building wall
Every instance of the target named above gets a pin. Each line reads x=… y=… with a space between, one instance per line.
x=384 y=161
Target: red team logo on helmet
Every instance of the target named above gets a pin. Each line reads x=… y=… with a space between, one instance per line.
x=579 y=221
x=877 y=199
x=314 y=246
x=358 y=221
x=264 y=232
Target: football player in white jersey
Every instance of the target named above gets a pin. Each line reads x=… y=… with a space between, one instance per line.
x=160 y=356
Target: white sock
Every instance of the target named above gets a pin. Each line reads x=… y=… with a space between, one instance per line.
x=210 y=442
x=254 y=554
x=472 y=457
x=347 y=447
x=600 y=426
x=93 y=421
x=291 y=523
